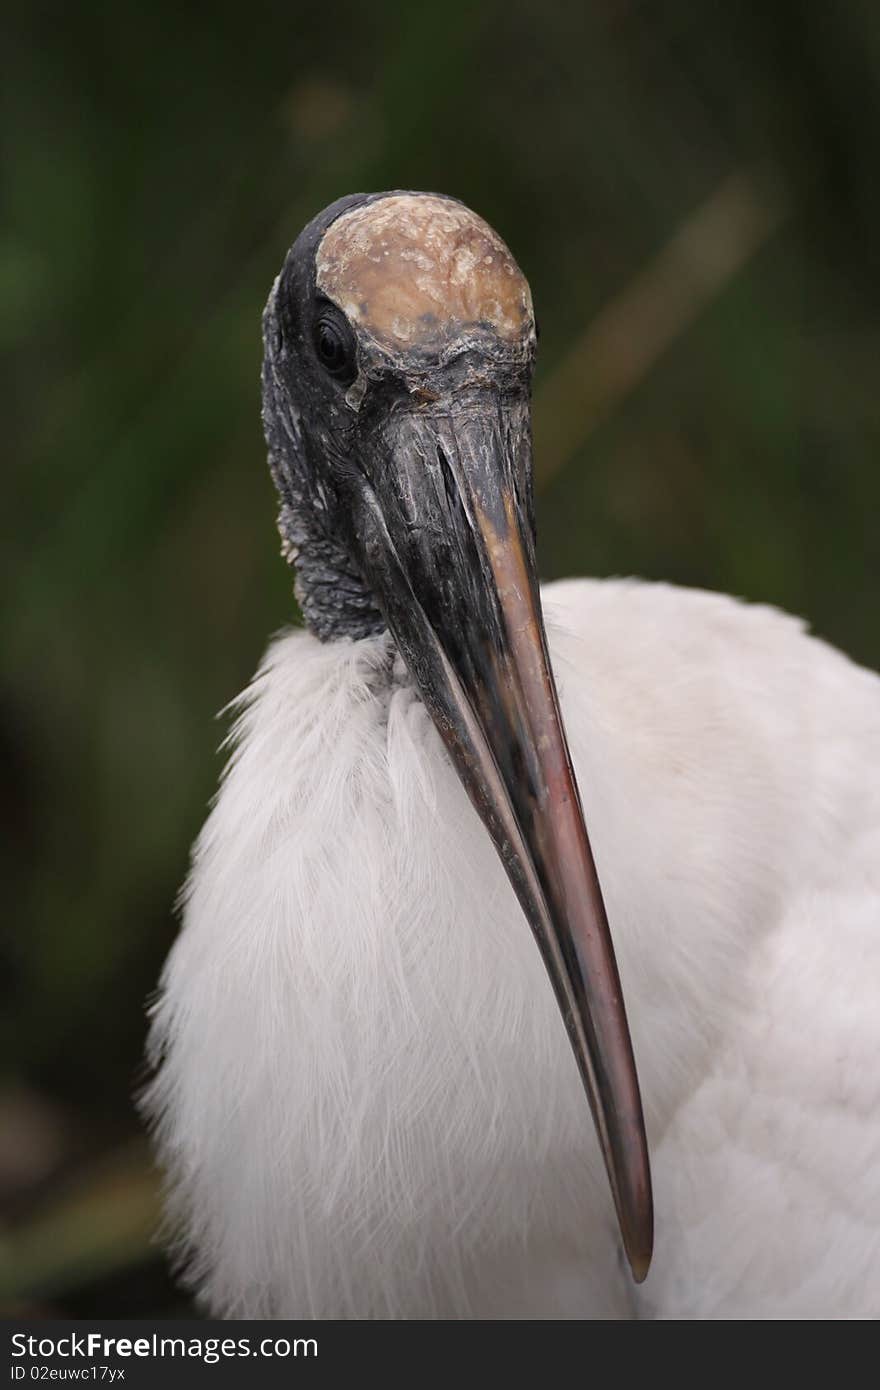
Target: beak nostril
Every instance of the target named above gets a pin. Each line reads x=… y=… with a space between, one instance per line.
x=453 y=498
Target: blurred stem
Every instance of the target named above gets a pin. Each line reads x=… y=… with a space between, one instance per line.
x=621 y=345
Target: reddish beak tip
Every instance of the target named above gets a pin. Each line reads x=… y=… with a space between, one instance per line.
x=639 y=1263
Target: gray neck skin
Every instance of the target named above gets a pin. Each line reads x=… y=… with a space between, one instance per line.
x=334 y=600
x=333 y=597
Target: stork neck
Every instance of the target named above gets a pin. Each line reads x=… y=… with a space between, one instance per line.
x=334 y=599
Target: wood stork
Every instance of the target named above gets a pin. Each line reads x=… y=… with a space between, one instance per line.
x=364 y=1095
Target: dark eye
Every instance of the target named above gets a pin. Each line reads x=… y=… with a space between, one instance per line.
x=335 y=347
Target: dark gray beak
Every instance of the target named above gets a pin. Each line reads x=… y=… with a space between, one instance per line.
x=443 y=527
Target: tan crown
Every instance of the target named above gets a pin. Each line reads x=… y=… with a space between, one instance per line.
x=413 y=271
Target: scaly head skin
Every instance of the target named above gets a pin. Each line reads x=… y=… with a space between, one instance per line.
x=415 y=272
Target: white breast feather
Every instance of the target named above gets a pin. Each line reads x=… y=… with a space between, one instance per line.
x=365 y=1097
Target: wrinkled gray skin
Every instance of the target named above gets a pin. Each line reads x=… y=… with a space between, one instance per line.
x=307 y=434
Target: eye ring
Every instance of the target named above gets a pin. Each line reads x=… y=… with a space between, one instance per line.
x=334 y=346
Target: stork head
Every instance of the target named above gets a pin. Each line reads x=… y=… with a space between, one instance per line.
x=399 y=343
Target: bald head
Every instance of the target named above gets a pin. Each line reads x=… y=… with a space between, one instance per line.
x=414 y=271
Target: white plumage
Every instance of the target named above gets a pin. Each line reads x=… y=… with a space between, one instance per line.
x=366 y=1099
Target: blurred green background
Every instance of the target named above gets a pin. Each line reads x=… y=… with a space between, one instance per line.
x=692 y=189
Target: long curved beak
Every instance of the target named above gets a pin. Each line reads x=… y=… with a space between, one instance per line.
x=446 y=540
